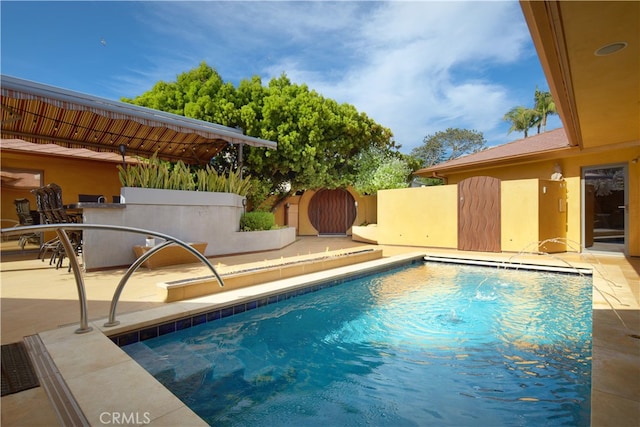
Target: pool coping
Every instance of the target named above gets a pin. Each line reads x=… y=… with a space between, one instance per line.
x=511 y=265
x=94 y=367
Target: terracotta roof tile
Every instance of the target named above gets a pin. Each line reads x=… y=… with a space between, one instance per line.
x=547 y=141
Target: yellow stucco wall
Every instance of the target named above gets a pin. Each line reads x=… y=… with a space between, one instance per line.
x=572 y=170
x=413 y=216
x=552 y=216
x=634 y=208
x=519 y=208
x=75 y=176
x=425 y=216
x=305 y=228
x=366 y=211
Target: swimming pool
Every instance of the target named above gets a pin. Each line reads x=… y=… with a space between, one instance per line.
x=432 y=344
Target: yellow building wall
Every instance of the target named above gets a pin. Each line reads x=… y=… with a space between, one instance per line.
x=572 y=171
x=366 y=212
x=280 y=211
x=634 y=208
x=574 y=213
x=552 y=216
x=305 y=228
x=519 y=206
x=75 y=176
x=425 y=216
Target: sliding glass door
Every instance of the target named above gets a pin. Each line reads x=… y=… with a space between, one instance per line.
x=605 y=208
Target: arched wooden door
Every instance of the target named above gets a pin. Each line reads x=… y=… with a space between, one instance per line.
x=332 y=211
x=479 y=214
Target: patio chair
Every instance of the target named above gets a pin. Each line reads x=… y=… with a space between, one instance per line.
x=46 y=217
x=49 y=201
x=57 y=207
x=43 y=205
x=60 y=213
x=23 y=210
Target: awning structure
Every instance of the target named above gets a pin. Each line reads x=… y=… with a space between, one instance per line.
x=45 y=114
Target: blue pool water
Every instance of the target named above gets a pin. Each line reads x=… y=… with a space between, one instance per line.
x=431 y=344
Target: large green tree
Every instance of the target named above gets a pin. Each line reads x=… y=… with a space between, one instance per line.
x=199 y=93
x=319 y=140
x=447 y=145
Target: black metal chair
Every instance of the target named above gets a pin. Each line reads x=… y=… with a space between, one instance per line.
x=57 y=207
x=49 y=201
x=46 y=217
x=23 y=210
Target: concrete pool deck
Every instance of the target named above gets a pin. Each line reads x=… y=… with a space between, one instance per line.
x=37 y=299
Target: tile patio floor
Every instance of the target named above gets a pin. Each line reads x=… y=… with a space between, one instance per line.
x=36 y=298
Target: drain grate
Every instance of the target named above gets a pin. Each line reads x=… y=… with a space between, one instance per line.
x=17 y=369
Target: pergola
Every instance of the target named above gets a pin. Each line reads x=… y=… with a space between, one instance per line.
x=45 y=114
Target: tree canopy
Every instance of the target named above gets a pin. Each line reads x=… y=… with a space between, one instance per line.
x=381 y=170
x=319 y=140
x=522 y=118
x=448 y=145
x=545 y=106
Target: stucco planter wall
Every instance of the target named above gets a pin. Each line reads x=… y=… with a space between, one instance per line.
x=191 y=216
x=253 y=241
x=366 y=234
x=157 y=196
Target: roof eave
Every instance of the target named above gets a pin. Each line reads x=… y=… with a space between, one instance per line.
x=545 y=26
x=487 y=164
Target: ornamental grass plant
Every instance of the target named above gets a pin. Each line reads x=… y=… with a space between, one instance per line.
x=156 y=173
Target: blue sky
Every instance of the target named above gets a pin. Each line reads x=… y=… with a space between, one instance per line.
x=415 y=67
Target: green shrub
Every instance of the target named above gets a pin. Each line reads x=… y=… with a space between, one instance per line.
x=256 y=221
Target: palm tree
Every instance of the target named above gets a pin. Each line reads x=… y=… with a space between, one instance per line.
x=544 y=106
x=522 y=119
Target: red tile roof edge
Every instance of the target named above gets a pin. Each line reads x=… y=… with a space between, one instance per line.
x=534 y=145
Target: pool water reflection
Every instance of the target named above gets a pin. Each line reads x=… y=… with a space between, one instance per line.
x=431 y=344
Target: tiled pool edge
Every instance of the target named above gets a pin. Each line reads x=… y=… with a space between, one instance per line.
x=301 y=285
x=229 y=309
x=512 y=265
x=107 y=385
x=75 y=340
x=94 y=367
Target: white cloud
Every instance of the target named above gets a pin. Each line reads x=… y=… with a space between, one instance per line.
x=415 y=67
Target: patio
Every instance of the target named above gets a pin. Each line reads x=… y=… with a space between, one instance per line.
x=36 y=297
